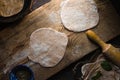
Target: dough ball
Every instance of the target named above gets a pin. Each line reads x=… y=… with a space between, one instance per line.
x=79 y=15
x=48 y=46
x=10 y=7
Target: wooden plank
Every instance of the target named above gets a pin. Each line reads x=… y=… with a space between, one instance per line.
x=14 y=40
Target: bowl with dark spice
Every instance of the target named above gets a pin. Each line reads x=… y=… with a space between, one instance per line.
x=12 y=10
x=21 y=72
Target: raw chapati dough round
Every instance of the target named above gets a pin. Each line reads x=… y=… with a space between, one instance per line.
x=48 y=46
x=10 y=7
x=79 y=15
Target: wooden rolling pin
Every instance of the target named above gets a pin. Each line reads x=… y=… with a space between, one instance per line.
x=110 y=51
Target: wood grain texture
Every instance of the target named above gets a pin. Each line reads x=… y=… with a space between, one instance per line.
x=14 y=40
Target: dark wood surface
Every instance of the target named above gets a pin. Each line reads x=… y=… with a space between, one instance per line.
x=14 y=39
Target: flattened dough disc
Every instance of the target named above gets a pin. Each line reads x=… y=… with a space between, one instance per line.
x=10 y=7
x=48 y=46
x=79 y=15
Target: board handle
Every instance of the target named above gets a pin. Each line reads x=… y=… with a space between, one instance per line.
x=94 y=37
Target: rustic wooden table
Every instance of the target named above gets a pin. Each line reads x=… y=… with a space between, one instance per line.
x=14 y=39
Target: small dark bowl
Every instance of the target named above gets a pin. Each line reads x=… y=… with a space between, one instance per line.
x=13 y=72
x=21 y=14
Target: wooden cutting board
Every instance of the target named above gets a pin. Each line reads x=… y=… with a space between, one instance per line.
x=14 y=40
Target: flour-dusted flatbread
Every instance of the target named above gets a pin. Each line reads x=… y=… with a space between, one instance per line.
x=10 y=7
x=48 y=46
x=79 y=15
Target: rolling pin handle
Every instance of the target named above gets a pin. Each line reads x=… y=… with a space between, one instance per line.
x=93 y=36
